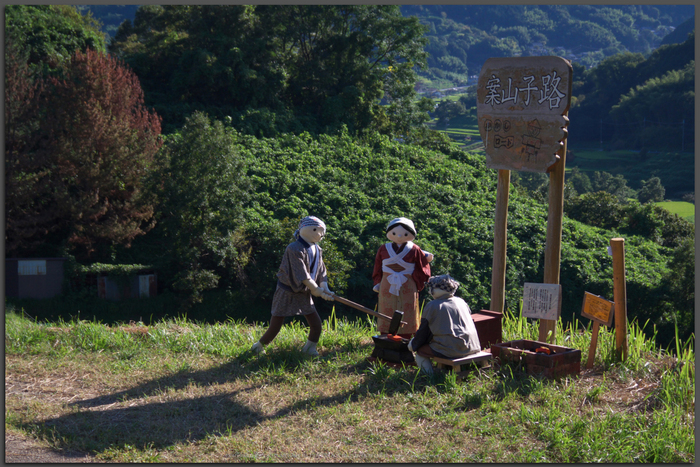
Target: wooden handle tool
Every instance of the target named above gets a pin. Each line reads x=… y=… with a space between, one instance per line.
x=357 y=306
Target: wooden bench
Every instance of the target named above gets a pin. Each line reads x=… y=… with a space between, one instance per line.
x=480 y=359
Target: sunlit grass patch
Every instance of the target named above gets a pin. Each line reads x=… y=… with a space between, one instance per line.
x=682 y=208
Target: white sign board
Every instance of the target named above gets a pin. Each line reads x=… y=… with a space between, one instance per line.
x=542 y=301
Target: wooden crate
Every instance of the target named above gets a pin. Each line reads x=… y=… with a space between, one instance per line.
x=561 y=362
x=489 y=327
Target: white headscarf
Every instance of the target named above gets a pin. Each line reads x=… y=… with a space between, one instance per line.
x=309 y=221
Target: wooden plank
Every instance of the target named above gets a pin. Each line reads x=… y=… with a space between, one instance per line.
x=552 y=251
x=522 y=104
x=617 y=246
x=500 y=235
x=475 y=357
x=594 y=343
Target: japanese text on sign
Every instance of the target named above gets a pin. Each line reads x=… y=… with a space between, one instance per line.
x=541 y=301
x=598 y=309
x=547 y=92
x=522 y=107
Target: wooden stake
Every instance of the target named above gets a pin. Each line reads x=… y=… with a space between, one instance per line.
x=500 y=235
x=617 y=245
x=594 y=343
x=552 y=251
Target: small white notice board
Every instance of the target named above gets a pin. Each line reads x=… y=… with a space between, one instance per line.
x=542 y=301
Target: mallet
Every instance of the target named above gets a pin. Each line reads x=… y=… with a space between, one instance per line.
x=395 y=319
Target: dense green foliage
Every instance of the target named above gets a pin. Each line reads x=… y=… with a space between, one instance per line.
x=312 y=68
x=201 y=194
x=52 y=33
x=635 y=102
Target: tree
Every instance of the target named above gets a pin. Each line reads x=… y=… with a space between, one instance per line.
x=328 y=64
x=52 y=33
x=580 y=181
x=96 y=144
x=29 y=216
x=615 y=185
x=217 y=59
x=202 y=188
x=651 y=190
x=599 y=209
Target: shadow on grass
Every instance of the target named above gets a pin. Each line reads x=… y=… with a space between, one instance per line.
x=95 y=427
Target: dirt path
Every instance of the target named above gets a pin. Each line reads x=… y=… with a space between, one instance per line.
x=19 y=449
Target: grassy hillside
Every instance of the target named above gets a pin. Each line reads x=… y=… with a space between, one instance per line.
x=682 y=208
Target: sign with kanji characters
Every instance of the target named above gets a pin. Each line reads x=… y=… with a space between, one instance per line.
x=522 y=104
x=598 y=309
x=541 y=301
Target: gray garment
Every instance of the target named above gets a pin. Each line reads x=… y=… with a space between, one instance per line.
x=452 y=326
x=292 y=297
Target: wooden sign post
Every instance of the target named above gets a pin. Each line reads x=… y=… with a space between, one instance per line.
x=617 y=245
x=500 y=233
x=600 y=311
x=522 y=108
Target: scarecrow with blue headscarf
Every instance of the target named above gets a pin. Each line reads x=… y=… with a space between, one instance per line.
x=301 y=276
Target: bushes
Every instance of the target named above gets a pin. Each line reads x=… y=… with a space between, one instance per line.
x=356 y=186
x=601 y=209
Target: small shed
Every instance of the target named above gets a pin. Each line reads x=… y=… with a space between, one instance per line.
x=34 y=277
x=133 y=286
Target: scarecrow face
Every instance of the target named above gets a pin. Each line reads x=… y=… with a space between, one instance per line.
x=312 y=233
x=400 y=235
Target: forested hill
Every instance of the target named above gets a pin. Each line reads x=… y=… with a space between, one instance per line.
x=462 y=37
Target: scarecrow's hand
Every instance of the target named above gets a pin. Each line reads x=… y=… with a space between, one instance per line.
x=328 y=295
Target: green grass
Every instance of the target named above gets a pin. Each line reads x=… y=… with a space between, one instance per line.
x=682 y=208
x=180 y=392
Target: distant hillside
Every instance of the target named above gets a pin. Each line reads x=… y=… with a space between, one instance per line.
x=680 y=34
x=463 y=37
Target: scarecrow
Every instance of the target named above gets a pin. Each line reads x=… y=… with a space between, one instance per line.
x=301 y=275
x=401 y=269
x=447 y=329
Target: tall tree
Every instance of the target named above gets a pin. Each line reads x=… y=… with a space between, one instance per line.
x=202 y=189
x=27 y=194
x=96 y=143
x=212 y=58
x=51 y=33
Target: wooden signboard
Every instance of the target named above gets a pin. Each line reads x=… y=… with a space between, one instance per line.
x=597 y=308
x=542 y=301
x=522 y=104
x=600 y=311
